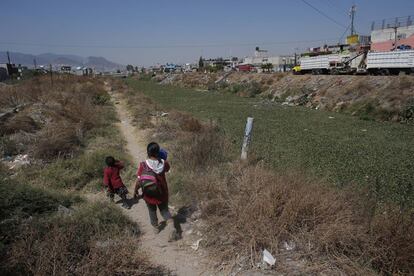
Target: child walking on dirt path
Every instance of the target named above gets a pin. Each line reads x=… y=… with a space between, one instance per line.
x=151 y=179
x=112 y=180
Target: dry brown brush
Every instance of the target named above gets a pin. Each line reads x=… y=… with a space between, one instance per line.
x=94 y=240
x=47 y=230
x=249 y=208
x=310 y=226
x=56 y=116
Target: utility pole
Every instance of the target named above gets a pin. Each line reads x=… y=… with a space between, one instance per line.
x=352 y=15
x=34 y=63
x=51 y=75
x=8 y=57
x=395 y=36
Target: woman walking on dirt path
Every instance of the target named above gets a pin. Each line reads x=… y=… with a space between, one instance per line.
x=152 y=181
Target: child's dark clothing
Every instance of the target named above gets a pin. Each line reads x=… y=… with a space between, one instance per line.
x=152 y=210
x=112 y=179
x=122 y=192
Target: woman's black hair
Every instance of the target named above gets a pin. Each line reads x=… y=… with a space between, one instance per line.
x=153 y=150
x=110 y=161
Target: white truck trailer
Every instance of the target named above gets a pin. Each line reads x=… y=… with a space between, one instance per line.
x=318 y=64
x=390 y=63
x=344 y=63
x=373 y=63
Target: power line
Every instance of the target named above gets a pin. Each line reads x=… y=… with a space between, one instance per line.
x=163 y=46
x=342 y=36
x=337 y=9
x=323 y=14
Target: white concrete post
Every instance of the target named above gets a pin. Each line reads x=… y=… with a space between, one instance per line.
x=247 y=138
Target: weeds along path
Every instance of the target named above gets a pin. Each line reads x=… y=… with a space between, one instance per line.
x=169 y=254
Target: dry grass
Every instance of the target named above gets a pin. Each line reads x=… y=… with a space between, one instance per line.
x=141 y=108
x=200 y=150
x=128 y=260
x=95 y=240
x=405 y=82
x=184 y=122
x=20 y=122
x=58 y=116
x=70 y=128
x=57 y=140
x=247 y=208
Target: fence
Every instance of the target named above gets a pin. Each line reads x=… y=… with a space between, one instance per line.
x=398 y=22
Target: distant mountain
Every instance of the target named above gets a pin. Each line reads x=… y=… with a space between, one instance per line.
x=98 y=63
x=50 y=56
x=65 y=61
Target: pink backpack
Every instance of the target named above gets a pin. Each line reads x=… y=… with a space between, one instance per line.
x=149 y=182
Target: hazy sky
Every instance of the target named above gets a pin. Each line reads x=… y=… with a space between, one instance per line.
x=144 y=32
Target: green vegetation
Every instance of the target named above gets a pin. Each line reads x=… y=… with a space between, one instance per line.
x=267 y=67
x=245 y=89
x=25 y=201
x=340 y=148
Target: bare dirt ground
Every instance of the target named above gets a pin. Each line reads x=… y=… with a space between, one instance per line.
x=177 y=256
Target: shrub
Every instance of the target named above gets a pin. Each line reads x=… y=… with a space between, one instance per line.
x=24 y=200
x=101 y=99
x=21 y=202
x=80 y=244
x=290 y=208
x=235 y=88
x=370 y=109
x=62 y=114
x=408 y=112
x=185 y=122
x=7 y=147
x=127 y=260
x=3 y=170
x=57 y=140
x=404 y=82
x=19 y=123
x=200 y=150
x=246 y=89
x=211 y=85
x=10 y=96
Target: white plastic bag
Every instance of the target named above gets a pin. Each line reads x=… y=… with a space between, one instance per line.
x=268 y=258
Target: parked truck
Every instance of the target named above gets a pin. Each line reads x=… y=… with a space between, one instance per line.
x=317 y=64
x=364 y=62
x=390 y=63
x=341 y=63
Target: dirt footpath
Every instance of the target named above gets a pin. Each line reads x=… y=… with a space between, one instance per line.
x=172 y=255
